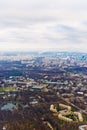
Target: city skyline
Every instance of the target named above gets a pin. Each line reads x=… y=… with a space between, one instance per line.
x=43 y=25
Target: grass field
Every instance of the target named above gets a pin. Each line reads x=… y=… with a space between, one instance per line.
x=5 y=89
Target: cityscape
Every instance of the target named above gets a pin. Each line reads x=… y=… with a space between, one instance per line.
x=43 y=91
x=43 y=64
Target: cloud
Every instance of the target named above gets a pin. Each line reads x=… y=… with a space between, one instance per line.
x=43 y=24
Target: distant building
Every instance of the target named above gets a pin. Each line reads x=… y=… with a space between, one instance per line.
x=4 y=128
x=37 y=88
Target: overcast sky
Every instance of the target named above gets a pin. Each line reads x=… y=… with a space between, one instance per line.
x=43 y=25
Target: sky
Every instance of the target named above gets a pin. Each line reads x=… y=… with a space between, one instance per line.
x=28 y=25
